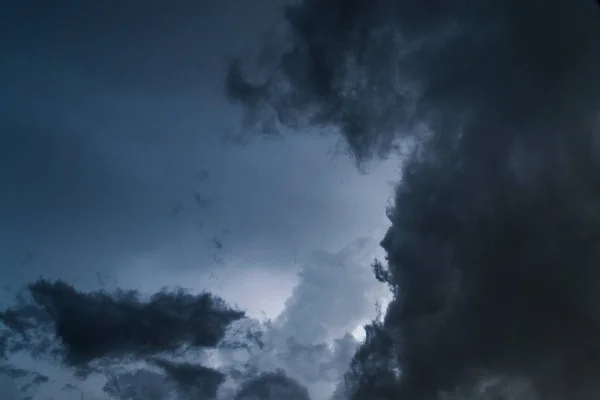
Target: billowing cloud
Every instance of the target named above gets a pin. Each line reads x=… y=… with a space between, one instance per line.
x=336 y=292
x=492 y=250
x=311 y=340
x=370 y=69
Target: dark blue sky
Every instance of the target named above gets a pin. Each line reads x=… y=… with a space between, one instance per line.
x=110 y=124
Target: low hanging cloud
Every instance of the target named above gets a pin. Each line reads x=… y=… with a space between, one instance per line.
x=99 y=331
x=309 y=344
x=105 y=332
x=492 y=254
x=101 y=325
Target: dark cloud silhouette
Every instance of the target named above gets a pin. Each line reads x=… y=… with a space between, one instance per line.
x=492 y=250
x=96 y=326
x=372 y=68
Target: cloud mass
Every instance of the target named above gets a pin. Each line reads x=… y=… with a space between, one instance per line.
x=492 y=250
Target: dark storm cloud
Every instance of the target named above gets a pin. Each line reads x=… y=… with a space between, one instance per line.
x=370 y=68
x=492 y=251
x=102 y=326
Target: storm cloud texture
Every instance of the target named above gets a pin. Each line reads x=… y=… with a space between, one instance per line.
x=94 y=332
x=492 y=252
x=107 y=333
x=98 y=325
x=491 y=256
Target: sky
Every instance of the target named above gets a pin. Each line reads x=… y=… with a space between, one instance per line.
x=106 y=141
x=118 y=167
x=124 y=165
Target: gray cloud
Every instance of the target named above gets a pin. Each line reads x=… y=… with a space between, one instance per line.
x=324 y=72
x=311 y=339
x=492 y=247
x=335 y=294
x=99 y=326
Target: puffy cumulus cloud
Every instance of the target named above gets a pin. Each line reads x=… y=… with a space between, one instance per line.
x=311 y=340
x=492 y=254
x=336 y=292
x=318 y=366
